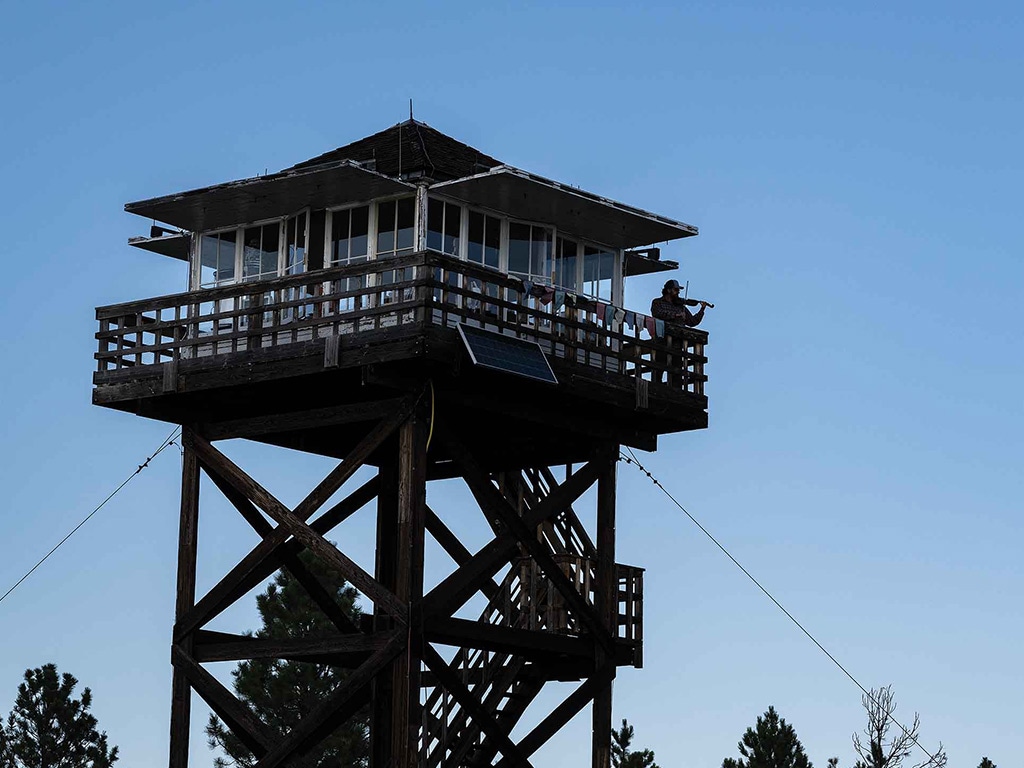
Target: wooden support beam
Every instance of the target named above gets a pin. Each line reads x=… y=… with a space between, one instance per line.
x=188 y=528
x=453 y=592
x=230 y=589
x=333 y=711
x=412 y=503
x=561 y=715
x=449 y=679
x=223 y=647
x=249 y=729
x=293 y=523
x=606 y=605
x=263 y=560
x=288 y=556
x=315 y=418
x=498 y=639
x=494 y=504
x=455 y=548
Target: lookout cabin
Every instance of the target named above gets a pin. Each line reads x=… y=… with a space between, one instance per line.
x=405 y=256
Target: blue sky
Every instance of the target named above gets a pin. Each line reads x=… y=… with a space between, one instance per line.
x=854 y=169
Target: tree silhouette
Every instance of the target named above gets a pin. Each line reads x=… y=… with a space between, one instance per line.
x=771 y=743
x=622 y=756
x=50 y=728
x=986 y=763
x=282 y=693
x=882 y=749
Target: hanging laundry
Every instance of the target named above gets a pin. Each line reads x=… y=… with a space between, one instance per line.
x=630 y=320
x=599 y=311
x=649 y=324
x=620 y=315
x=559 y=301
x=659 y=327
x=527 y=290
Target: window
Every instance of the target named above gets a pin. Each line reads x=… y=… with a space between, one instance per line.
x=565 y=264
x=598 y=272
x=396 y=232
x=529 y=252
x=260 y=251
x=217 y=259
x=350 y=244
x=484 y=241
x=444 y=223
x=350 y=231
x=295 y=245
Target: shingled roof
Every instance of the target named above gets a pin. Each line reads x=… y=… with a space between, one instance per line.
x=409 y=150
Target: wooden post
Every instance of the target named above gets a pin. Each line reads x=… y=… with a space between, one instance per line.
x=181 y=692
x=606 y=601
x=385 y=572
x=412 y=498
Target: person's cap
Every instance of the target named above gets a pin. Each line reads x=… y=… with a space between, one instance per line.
x=671 y=284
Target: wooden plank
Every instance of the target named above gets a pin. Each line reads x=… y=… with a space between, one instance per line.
x=481 y=716
x=188 y=528
x=453 y=592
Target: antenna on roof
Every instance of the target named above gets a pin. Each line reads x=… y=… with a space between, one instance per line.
x=410 y=109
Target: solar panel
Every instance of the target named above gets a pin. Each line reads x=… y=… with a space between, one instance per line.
x=506 y=353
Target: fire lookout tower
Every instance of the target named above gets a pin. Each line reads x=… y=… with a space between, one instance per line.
x=409 y=304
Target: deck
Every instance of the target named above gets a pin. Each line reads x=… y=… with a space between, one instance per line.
x=213 y=355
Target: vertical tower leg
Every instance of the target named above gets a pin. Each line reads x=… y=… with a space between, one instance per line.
x=401 y=520
x=606 y=601
x=181 y=692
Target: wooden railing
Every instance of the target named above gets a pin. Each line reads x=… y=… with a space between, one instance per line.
x=418 y=290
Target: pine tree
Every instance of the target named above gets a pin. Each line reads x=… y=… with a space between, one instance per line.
x=772 y=743
x=282 y=693
x=986 y=763
x=622 y=756
x=887 y=744
x=50 y=728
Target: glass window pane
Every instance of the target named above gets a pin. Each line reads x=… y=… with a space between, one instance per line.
x=519 y=248
x=565 y=269
x=475 y=246
x=435 y=225
x=296 y=245
x=405 y=225
x=540 y=254
x=492 y=242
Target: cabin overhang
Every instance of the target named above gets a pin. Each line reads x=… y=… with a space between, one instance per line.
x=272 y=196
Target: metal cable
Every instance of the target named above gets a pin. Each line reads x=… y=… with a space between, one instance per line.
x=632 y=459
x=168 y=441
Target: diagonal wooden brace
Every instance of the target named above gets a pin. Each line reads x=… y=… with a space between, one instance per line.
x=492 y=502
x=292 y=524
x=484 y=718
x=457 y=588
x=322 y=721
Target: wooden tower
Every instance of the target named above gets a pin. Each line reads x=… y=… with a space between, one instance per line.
x=410 y=304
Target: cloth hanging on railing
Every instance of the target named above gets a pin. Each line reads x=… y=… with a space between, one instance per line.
x=659 y=327
x=620 y=315
x=599 y=311
x=527 y=290
x=651 y=326
x=559 y=301
x=630 y=319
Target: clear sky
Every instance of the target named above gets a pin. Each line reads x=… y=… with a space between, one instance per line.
x=855 y=170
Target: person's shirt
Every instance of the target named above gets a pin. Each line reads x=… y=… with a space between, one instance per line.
x=663 y=308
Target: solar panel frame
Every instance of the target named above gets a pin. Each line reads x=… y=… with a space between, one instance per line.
x=508 y=354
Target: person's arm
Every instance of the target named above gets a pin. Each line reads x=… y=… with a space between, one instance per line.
x=670 y=313
x=694 y=319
